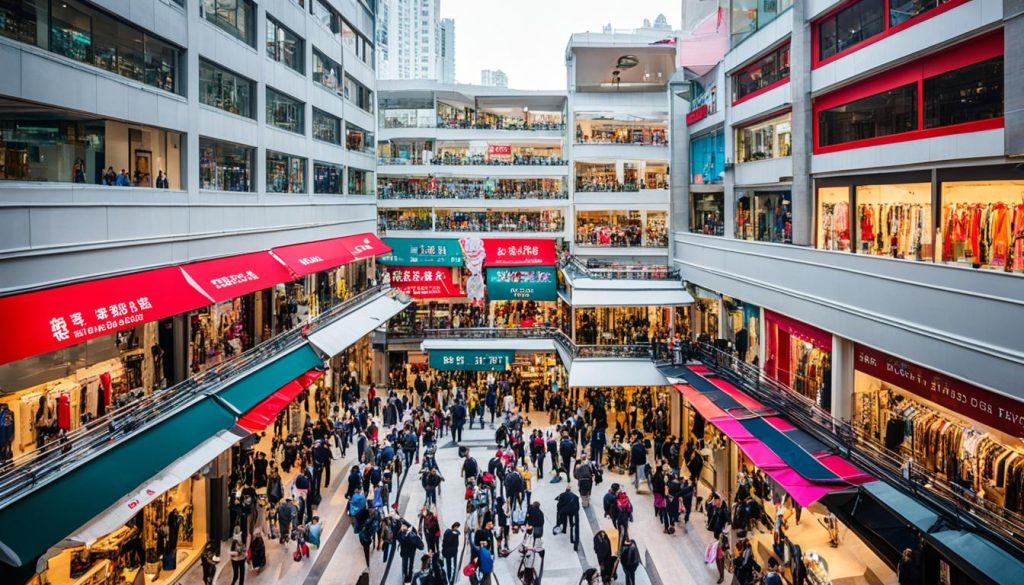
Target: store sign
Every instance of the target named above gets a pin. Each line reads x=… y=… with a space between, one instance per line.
x=988 y=408
x=499 y=150
x=519 y=252
x=423 y=252
x=697 y=115
x=471 y=359
x=424 y=283
x=364 y=246
x=47 y=320
x=234 y=276
x=522 y=284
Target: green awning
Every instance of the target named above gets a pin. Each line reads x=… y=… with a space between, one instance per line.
x=256 y=386
x=533 y=283
x=423 y=252
x=32 y=524
x=483 y=360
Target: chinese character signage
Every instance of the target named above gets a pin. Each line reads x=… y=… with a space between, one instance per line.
x=972 y=402
x=522 y=284
x=47 y=320
x=697 y=115
x=423 y=252
x=471 y=359
x=422 y=282
x=519 y=252
x=499 y=150
x=234 y=276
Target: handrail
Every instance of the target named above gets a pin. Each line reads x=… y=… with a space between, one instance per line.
x=968 y=510
x=30 y=469
x=627 y=272
x=625 y=351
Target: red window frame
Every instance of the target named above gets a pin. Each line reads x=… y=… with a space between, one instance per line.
x=887 y=30
x=983 y=48
x=754 y=61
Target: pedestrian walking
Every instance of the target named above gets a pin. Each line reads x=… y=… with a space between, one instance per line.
x=629 y=558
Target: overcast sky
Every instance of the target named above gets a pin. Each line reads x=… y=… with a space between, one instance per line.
x=526 y=38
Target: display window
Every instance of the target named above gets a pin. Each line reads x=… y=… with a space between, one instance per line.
x=621 y=325
x=326 y=71
x=285 y=112
x=707 y=159
x=328 y=179
x=522 y=314
x=965 y=435
x=417 y=219
x=764 y=216
x=517 y=119
x=407 y=112
x=750 y=16
x=454 y=116
x=360 y=182
x=284 y=46
x=326 y=127
x=707 y=213
x=285 y=173
x=622 y=228
x=219 y=332
x=158 y=545
x=358 y=94
x=358 y=139
x=225 y=90
x=895 y=220
x=236 y=17
x=765 y=140
x=463 y=153
x=225 y=166
x=834 y=231
x=766 y=73
x=743 y=328
x=952 y=92
x=506 y=220
x=682 y=323
x=983 y=224
x=708 y=305
x=799 y=356
x=597 y=128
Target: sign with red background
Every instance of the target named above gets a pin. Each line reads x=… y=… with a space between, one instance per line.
x=697 y=115
x=424 y=282
x=986 y=407
x=519 y=252
x=499 y=150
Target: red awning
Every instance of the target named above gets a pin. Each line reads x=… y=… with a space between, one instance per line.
x=47 y=320
x=260 y=416
x=234 y=276
x=310 y=257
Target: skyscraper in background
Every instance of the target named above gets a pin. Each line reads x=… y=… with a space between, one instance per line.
x=446 y=52
x=409 y=37
x=493 y=78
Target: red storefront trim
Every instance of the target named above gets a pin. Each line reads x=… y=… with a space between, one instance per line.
x=226 y=278
x=311 y=257
x=761 y=91
x=818 y=337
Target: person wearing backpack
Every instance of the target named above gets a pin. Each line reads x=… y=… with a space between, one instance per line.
x=584 y=475
x=537 y=452
x=514 y=487
x=470 y=469
x=357 y=503
x=624 y=513
x=611 y=497
x=410 y=446
x=431 y=483
x=408 y=543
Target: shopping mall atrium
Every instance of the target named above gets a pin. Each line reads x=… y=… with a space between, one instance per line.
x=741 y=300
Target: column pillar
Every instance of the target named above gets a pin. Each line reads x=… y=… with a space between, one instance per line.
x=803 y=135
x=842 y=378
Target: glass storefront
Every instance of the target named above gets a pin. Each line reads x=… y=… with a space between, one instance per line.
x=284 y=46
x=326 y=127
x=358 y=94
x=226 y=91
x=358 y=139
x=328 y=179
x=85 y=34
x=236 y=17
x=743 y=328
x=360 y=182
x=895 y=220
x=834 y=231
x=505 y=220
x=220 y=332
x=707 y=213
x=799 y=356
x=46 y=144
x=765 y=72
x=407 y=112
x=418 y=219
x=983 y=224
x=622 y=228
x=863 y=20
x=600 y=128
x=764 y=216
x=285 y=173
x=707 y=159
x=285 y=112
x=765 y=140
x=225 y=166
x=326 y=72
x=466 y=153
x=621 y=325
x=750 y=16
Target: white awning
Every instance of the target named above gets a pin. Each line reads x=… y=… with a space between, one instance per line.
x=607 y=373
x=512 y=343
x=629 y=297
x=122 y=511
x=338 y=336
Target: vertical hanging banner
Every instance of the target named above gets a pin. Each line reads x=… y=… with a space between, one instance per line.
x=423 y=282
x=519 y=252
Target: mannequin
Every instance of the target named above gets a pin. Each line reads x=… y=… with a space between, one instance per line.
x=6 y=433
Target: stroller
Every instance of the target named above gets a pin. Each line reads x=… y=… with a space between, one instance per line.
x=531 y=564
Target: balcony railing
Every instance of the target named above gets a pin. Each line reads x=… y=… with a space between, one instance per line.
x=578 y=269
x=47 y=463
x=965 y=506
x=478 y=194
x=629 y=351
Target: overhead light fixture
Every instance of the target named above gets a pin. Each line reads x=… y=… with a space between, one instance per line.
x=627 y=62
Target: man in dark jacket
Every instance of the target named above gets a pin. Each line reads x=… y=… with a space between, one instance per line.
x=535 y=520
x=584 y=474
x=470 y=469
x=515 y=485
x=450 y=551
x=458 y=420
x=566 y=453
x=408 y=543
x=629 y=558
x=609 y=504
x=637 y=462
x=686 y=493
x=718 y=515
x=568 y=514
x=603 y=552
x=492 y=402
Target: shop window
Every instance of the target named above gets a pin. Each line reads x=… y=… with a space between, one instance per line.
x=983 y=224
x=707 y=160
x=285 y=173
x=224 y=166
x=285 y=113
x=799 y=356
x=326 y=127
x=358 y=139
x=415 y=219
x=284 y=46
x=326 y=72
x=621 y=229
x=358 y=94
x=18 y=19
x=359 y=182
x=761 y=74
x=407 y=113
x=964 y=95
x=834 y=219
x=598 y=128
x=765 y=140
x=328 y=179
x=895 y=220
x=325 y=15
x=510 y=220
x=62 y=146
x=707 y=213
x=764 y=216
x=901 y=11
x=882 y=114
x=850 y=26
x=226 y=91
x=749 y=16
x=236 y=17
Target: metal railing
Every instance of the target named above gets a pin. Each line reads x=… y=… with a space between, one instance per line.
x=27 y=471
x=577 y=268
x=623 y=351
x=967 y=509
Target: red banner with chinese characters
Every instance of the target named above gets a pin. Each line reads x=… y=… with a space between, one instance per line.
x=971 y=402
x=499 y=150
x=234 y=276
x=697 y=115
x=424 y=282
x=519 y=252
x=48 y=320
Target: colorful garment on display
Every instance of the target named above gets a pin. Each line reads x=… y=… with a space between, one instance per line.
x=835 y=226
x=895 y=230
x=984 y=235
